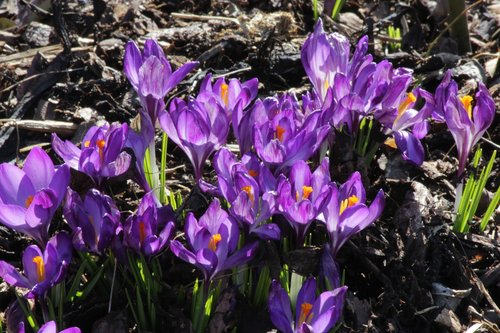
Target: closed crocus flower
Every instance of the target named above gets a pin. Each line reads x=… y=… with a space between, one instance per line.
x=467 y=124
x=42 y=269
x=150 y=74
x=30 y=196
x=93 y=220
x=300 y=196
x=100 y=155
x=345 y=212
x=313 y=314
x=197 y=129
x=151 y=228
x=212 y=242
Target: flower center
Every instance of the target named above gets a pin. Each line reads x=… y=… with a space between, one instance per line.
x=280 y=131
x=305 y=313
x=410 y=98
x=142 y=232
x=346 y=203
x=214 y=240
x=40 y=268
x=28 y=201
x=248 y=190
x=306 y=192
x=224 y=93
x=253 y=173
x=100 y=146
x=467 y=102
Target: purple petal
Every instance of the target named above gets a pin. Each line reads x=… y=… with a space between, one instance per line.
x=132 y=63
x=39 y=168
x=10 y=275
x=280 y=308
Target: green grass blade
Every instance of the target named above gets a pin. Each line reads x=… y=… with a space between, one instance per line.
x=491 y=208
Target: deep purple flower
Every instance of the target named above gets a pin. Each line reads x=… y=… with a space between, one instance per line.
x=42 y=270
x=93 y=220
x=151 y=228
x=30 y=196
x=196 y=129
x=286 y=135
x=312 y=314
x=231 y=96
x=466 y=124
x=300 y=196
x=101 y=154
x=51 y=327
x=345 y=213
x=251 y=204
x=212 y=242
x=399 y=121
x=151 y=76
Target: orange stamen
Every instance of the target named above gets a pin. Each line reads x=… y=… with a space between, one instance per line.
x=410 y=98
x=248 y=190
x=349 y=202
x=467 y=102
x=253 y=173
x=306 y=192
x=40 y=268
x=28 y=201
x=86 y=144
x=280 y=131
x=142 y=232
x=224 y=93
x=100 y=145
x=390 y=142
x=214 y=240
x=305 y=313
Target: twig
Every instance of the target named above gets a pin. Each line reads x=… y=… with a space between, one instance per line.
x=38 y=75
x=441 y=34
x=210 y=18
x=36 y=9
x=495 y=145
x=46 y=126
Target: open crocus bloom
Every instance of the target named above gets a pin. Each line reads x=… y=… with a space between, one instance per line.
x=30 y=196
x=101 y=154
x=466 y=124
x=228 y=95
x=197 y=128
x=93 y=220
x=213 y=242
x=151 y=76
x=300 y=196
x=150 y=230
x=312 y=314
x=345 y=213
x=42 y=270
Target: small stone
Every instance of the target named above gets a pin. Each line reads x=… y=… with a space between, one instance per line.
x=37 y=34
x=449 y=319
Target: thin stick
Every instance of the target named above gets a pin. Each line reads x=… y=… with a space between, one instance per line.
x=46 y=126
x=38 y=75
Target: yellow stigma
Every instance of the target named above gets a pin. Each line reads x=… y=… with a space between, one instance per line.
x=410 y=98
x=28 y=201
x=467 y=102
x=326 y=85
x=305 y=313
x=142 y=232
x=86 y=144
x=280 y=131
x=40 y=268
x=100 y=145
x=248 y=190
x=306 y=192
x=224 y=93
x=346 y=203
x=390 y=142
x=214 y=240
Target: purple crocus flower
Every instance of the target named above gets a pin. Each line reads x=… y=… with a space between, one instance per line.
x=93 y=220
x=345 y=213
x=300 y=196
x=399 y=121
x=466 y=124
x=151 y=76
x=287 y=136
x=101 y=155
x=212 y=242
x=30 y=196
x=51 y=327
x=196 y=129
x=312 y=314
x=251 y=204
x=42 y=270
x=150 y=230
x=230 y=95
